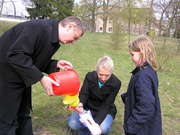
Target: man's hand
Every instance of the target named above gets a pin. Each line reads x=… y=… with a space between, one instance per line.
x=46 y=83
x=64 y=65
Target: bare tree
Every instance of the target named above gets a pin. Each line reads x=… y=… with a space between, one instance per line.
x=163 y=6
x=169 y=14
x=172 y=14
x=128 y=6
x=105 y=14
x=91 y=8
x=118 y=37
x=129 y=19
x=150 y=14
x=14 y=7
x=7 y=2
x=93 y=13
x=1 y=6
x=107 y=7
x=177 y=27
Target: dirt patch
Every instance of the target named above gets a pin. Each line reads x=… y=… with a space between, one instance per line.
x=42 y=132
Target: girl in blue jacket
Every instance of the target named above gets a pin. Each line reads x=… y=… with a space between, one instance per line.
x=142 y=107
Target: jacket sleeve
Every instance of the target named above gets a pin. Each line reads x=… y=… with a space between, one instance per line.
x=144 y=107
x=19 y=57
x=105 y=107
x=124 y=97
x=84 y=93
x=52 y=67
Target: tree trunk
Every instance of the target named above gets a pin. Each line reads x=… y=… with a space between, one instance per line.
x=129 y=21
x=14 y=7
x=105 y=23
x=150 y=14
x=93 y=16
x=160 y=24
x=105 y=14
x=1 y=7
x=174 y=13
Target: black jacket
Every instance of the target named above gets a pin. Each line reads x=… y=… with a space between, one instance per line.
x=100 y=101
x=25 y=52
x=142 y=107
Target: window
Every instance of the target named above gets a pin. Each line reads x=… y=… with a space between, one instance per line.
x=110 y=29
x=110 y=21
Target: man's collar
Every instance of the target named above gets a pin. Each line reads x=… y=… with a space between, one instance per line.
x=55 y=34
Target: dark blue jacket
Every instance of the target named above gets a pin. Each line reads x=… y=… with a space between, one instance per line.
x=142 y=107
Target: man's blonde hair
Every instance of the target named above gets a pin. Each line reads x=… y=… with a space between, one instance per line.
x=105 y=62
x=147 y=50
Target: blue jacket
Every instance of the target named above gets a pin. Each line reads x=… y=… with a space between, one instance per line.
x=142 y=107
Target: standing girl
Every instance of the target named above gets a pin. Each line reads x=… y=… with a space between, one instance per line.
x=142 y=107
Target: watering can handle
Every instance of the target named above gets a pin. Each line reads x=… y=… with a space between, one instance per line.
x=53 y=82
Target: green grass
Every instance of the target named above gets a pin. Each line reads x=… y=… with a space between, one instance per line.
x=84 y=54
x=49 y=114
x=4 y=25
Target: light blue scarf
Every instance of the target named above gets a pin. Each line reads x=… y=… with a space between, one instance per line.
x=100 y=84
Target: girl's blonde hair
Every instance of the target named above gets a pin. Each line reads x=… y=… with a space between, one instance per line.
x=147 y=50
x=105 y=62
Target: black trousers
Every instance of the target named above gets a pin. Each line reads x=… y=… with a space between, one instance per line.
x=21 y=127
x=22 y=124
x=8 y=129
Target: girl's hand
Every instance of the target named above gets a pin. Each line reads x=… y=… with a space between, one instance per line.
x=78 y=108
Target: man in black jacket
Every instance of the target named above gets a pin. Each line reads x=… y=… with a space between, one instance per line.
x=25 y=52
x=98 y=94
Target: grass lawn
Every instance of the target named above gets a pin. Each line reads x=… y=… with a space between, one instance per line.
x=49 y=114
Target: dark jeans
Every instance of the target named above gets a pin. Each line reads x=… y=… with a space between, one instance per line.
x=75 y=124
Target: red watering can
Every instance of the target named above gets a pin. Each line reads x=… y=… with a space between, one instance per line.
x=69 y=82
